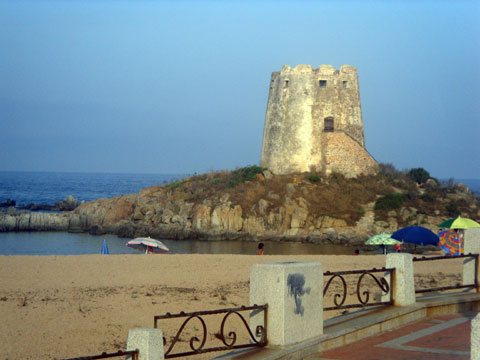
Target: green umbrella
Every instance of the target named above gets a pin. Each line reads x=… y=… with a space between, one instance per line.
x=459 y=223
x=382 y=239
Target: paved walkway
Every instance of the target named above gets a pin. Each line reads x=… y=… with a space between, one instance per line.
x=442 y=337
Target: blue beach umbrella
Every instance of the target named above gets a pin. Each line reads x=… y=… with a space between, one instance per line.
x=417 y=235
x=104 y=250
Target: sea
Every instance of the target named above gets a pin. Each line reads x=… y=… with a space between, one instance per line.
x=47 y=188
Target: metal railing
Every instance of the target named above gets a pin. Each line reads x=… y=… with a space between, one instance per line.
x=104 y=355
x=363 y=298
x=474 y=257
x=229 y=340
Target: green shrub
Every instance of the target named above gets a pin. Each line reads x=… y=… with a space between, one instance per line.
x=419 y=175
x=452 y=209
x=389 y=170
x=314 y=178
x=427 y=197
x=214 y=181
x=389 y=202
x=239 y=176
x=411 y=195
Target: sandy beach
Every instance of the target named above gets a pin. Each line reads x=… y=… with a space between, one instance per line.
x=55 y=307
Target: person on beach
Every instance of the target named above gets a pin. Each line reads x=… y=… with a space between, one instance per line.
x=398 y=248
x=260 y=249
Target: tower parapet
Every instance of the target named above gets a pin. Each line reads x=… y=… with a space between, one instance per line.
x=307 y=108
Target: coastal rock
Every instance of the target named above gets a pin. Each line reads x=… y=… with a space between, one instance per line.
x=268 y=174
x=275 y=220
x=138 y=215
x=8 y=203
x=74 y=223
x=201 y=217
x=25 y=221
x=382 y=226
x=7 y=222
x=68 y=204
x=254 y=225
x=430 y=183
x=290 y=189
x=97 y=230
x=274 y=208
x=263 y=206
x=355 y=238
x=227 y=218
x=166 y=216
x=46 y=222
x=103 y=212
x=329 y=234
x=124 y=229
x=273 y=196
x=461 y=188
x=298 y=218
x=324 y=222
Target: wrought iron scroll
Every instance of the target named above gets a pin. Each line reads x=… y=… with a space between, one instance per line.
x=363 y=298
x=104 y=355
x=473 y=257
x=229 y=340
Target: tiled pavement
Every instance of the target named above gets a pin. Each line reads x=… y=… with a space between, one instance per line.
x=442 y=337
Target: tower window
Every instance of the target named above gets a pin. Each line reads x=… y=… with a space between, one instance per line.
x=328 y=124
x=286 y=84
x=322 y=83
x=345 y=83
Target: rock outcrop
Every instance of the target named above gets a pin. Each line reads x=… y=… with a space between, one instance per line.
x=67 y=204
x=274 y=212
x=14 y=220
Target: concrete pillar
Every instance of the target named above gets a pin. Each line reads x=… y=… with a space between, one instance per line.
x=294 y=294
x=475 y=338
x=403 y=289
x=471 y=244
x=149 y=342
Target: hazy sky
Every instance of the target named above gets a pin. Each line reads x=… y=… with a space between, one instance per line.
x=182 y=86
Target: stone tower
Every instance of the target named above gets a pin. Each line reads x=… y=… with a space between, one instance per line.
x=314 y=122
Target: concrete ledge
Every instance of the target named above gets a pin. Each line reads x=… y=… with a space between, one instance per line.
x=352 y=327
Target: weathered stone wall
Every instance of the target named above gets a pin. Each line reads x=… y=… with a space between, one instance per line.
x=300 y=99
x=345 y=156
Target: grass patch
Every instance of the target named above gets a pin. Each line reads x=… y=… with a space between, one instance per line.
x=314 y=178
x=176 y=184
x=389 y=202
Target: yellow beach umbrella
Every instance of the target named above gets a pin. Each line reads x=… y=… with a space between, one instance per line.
x=459 y=223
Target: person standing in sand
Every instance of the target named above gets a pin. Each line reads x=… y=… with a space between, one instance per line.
x=260 y=249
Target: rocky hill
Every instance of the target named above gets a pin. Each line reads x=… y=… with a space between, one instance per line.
x=252 y=204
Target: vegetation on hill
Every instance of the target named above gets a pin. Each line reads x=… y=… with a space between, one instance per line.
x=390 y=190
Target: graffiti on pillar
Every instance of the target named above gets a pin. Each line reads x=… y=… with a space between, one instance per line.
x=296 y=283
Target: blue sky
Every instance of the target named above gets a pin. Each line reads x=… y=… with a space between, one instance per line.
x=182 y=86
